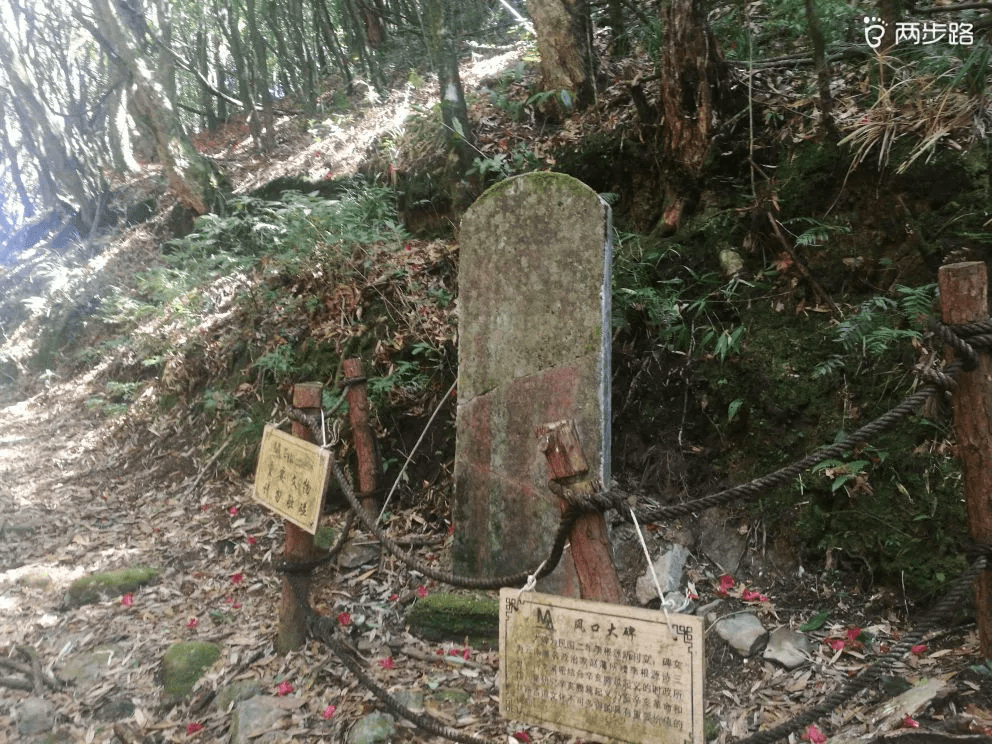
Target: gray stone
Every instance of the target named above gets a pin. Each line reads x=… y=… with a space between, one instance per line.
x=89 y=666
x=742 y=630
x=731 y=263
x=375 y=727
x=720 y=541
x=668 y=567
x=412 y=699
x=533 y=348
x=788 y=647
x=236 y=692
x=35 y=715
x=254 y=717
x=354 y=555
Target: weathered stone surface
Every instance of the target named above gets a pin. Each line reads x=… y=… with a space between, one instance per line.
x=254 y=719
x=788 y=647
x=534 y=348
x=742 y=630
x=94 y=587
x=184 y=663
x=235 y=692
x=35 y=715
x=89 y=666
x=373 y=728
x=668 y=567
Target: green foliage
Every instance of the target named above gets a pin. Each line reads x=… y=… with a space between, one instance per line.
x=683 y=313
x=879 y=324
x=503 y=165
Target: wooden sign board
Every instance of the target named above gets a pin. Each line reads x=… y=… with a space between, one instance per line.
x=609 y=671
x=291 y=477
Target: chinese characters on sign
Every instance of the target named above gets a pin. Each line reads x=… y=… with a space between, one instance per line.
x=291 y=477
x=922 y=34
x=586 y=668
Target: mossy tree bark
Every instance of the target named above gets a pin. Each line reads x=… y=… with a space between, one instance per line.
x=454 y=109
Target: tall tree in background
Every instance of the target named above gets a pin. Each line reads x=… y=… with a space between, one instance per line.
x=564 y=40
x=193 y=179
x=692 y=74
x=444 y=55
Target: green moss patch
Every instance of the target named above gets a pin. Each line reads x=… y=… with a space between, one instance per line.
x=184 y=663
x=92 y=588
x=455 y=617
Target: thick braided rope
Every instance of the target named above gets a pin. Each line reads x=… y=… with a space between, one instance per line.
x=950 y=604
x=369 y=523
x=322 y=629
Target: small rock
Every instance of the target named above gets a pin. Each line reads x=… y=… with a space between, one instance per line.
x=669 y=567
x=89 y=666
x=412 y=699
x=743 y=631
x=253 y=718
x=375 y=727
x=731 y=263
x=355 y=555
x=788 y=647
x=184 y=663
x=35 y=579
x=236 y=692
x=35 y=715
x=720 y=540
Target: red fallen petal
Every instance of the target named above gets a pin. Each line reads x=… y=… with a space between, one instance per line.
x=329 y=711
x=344 y=618
x=919 y=649
x=387 y=663
x=393 y=597
x=836 y=644
x=908 y=722
x=127 y=600
x=192 y=728
x=726 y=583
x=466 y=653
x=522 y=736
x=813 y=735
x=285 y=688
x=853 y=633
x=421 y=591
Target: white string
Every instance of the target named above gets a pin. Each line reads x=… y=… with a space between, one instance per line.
x=531 y=580
x=654 y=576
x=323 y=429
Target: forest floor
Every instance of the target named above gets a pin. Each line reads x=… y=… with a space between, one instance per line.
x=81 y=492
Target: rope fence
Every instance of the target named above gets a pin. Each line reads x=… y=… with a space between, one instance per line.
x=967 y=340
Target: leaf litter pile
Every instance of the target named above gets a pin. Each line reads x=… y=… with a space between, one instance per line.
x=81 y=494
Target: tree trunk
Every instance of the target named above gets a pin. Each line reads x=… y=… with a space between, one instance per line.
x=331 y=39
x=61 y=176
x=193 y=179
x=15 y=169
x=564 y=35
x=454 y=110
x=691 y=70
x=820 y=62
x=260 y=77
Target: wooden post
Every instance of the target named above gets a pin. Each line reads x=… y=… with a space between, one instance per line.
x=299 y=543
x=964 y=299
x=361 y=433
x=590 y=547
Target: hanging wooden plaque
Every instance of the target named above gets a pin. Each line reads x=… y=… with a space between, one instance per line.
x=621 y=674
x=291 y=477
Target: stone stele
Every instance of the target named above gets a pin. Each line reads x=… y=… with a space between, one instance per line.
x=533 y=348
